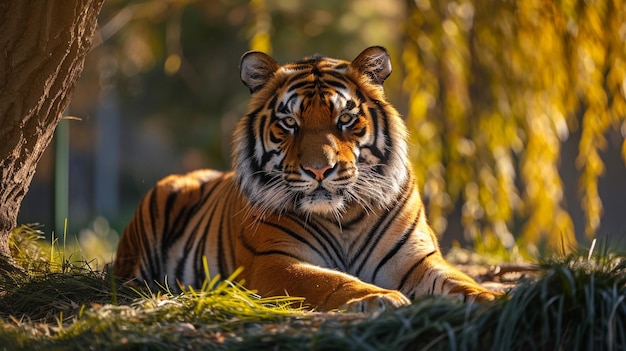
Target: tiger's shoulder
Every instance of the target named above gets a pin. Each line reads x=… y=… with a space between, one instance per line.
x=191 y=180
x=192 y=186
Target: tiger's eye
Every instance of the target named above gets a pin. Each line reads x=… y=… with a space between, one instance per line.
x=289 y=122
x=345 y=119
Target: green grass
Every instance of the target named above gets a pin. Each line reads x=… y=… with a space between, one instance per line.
x=574 y=303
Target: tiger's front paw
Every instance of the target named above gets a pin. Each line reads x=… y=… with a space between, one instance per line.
x=485 y=296
x=376 y=302
x=477 y=294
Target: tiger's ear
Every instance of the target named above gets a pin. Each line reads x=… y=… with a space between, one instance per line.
x=256 y=68
x=373 y=62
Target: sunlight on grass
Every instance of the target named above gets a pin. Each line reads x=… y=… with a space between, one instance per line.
x=576 y=302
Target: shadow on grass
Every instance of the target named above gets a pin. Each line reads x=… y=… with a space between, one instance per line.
x=573 y=303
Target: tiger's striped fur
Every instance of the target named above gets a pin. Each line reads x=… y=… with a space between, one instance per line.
x=321 y=204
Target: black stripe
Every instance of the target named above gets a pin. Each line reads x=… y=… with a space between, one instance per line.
x=307 y=61
x=336 y=84
x=374 y=147
x=262 y=122
x=199 y=267
x=167 y=212
x=249 y=142
x=148 y=258
x=250 y=248
x=297 y=237
x=298 y=76
x=357 y=219
x=331 y=106
x=360 y=95
x=350 y=104
x=388 y=141
x=272 y=103
x=413 y=268
x=298 y=86
x=337 y=256
x=253 y=114
x=263 y=178
x=274 y=139
x=361 y=133
x=197 y=234
x=443 y=285
x=336 y=74
x=316 y=71
x=284 y=106
x=373 y=238
x=191 y=240
x=155 y=262
x=403 y=239
x=221 y=255
x=233 y=238
x=186 y=213
x=250 y=133
x=146 y=274
x=385 y=217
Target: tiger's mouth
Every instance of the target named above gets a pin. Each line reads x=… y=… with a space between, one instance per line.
x=321 y=201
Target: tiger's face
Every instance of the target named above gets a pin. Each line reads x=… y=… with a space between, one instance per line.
x=319 y=138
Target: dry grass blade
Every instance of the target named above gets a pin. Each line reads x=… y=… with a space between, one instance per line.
x=572 y=303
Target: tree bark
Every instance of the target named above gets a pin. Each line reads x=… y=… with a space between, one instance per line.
x=43 y=44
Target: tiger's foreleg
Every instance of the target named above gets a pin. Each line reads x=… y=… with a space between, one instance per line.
x=436 y=276
x=323 y=289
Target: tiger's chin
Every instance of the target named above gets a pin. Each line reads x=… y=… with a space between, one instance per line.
x=321 y=202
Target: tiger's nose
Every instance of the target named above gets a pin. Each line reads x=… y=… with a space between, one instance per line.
x=319 y=172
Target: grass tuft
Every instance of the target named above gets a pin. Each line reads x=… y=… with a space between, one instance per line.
x=575 y=302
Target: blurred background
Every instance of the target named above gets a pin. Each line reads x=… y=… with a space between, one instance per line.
x=516 y=110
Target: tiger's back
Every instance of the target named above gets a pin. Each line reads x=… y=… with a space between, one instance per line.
x=182 y=214
x=321 y=204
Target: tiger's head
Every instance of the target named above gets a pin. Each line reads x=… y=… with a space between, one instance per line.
x=319 y=137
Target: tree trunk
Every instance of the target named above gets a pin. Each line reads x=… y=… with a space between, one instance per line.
x=43 y=44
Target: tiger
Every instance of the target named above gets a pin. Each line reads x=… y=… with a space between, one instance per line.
x=321 y=203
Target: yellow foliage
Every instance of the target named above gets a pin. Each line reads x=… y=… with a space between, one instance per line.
x=495 y=88
x=261 y=40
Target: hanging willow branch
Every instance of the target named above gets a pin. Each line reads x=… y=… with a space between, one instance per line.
x=495 y=89
x=260 y=38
